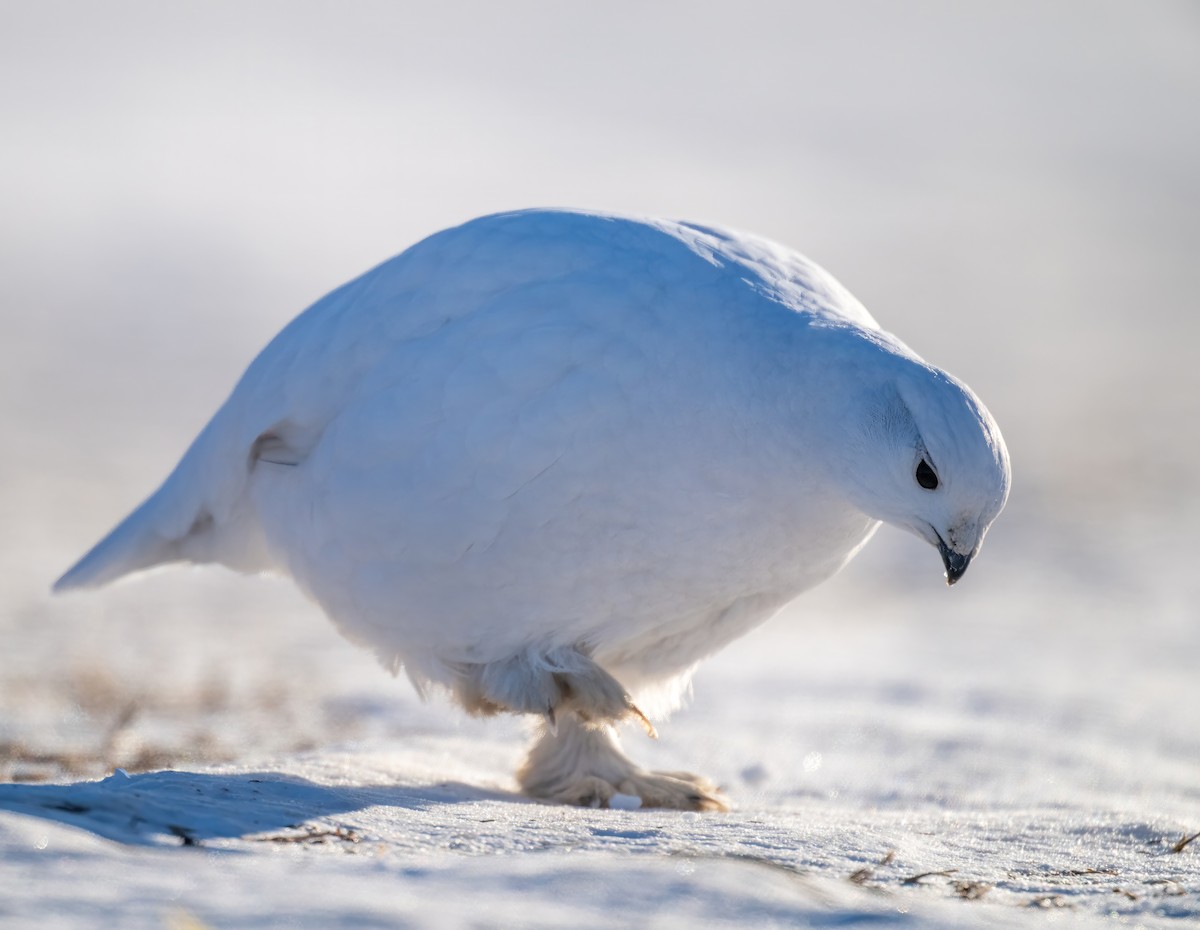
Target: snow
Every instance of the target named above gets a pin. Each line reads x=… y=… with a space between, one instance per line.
x=1012 y=190
x=366 y=888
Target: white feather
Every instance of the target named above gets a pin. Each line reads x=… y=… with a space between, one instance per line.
x=557 y=429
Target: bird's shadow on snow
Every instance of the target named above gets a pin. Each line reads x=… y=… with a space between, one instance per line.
x=184 y=808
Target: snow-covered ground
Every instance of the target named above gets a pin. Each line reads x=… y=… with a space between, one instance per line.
x=1013 y=191
x=1024 y=748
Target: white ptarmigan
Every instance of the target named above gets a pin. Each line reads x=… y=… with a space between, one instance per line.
x=550 y=460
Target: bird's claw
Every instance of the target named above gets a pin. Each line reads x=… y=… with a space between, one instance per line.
x=636 y=712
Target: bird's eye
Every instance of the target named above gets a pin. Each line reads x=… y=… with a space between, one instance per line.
x=926 y=477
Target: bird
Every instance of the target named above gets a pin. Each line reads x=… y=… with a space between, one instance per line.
x=549 y=460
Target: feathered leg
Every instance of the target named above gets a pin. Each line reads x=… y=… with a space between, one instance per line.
x=578 y=759
x=555 y=684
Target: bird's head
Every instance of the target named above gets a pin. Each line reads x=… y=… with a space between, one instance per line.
x=932 y=461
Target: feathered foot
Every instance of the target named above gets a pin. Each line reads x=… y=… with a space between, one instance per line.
x=582 y=763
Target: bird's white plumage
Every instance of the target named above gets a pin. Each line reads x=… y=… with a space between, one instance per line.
x=555 y=429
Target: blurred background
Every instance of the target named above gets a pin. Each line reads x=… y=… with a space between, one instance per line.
x=1013 y=189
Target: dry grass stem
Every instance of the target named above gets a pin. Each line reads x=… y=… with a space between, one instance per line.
x=917 y=879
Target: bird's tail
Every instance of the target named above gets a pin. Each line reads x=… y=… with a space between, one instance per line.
x=200 y=514
x=142 y=540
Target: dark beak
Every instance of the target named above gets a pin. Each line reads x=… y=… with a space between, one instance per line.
x=956 y=565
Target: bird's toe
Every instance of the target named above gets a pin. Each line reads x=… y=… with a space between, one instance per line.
x=675 y=791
